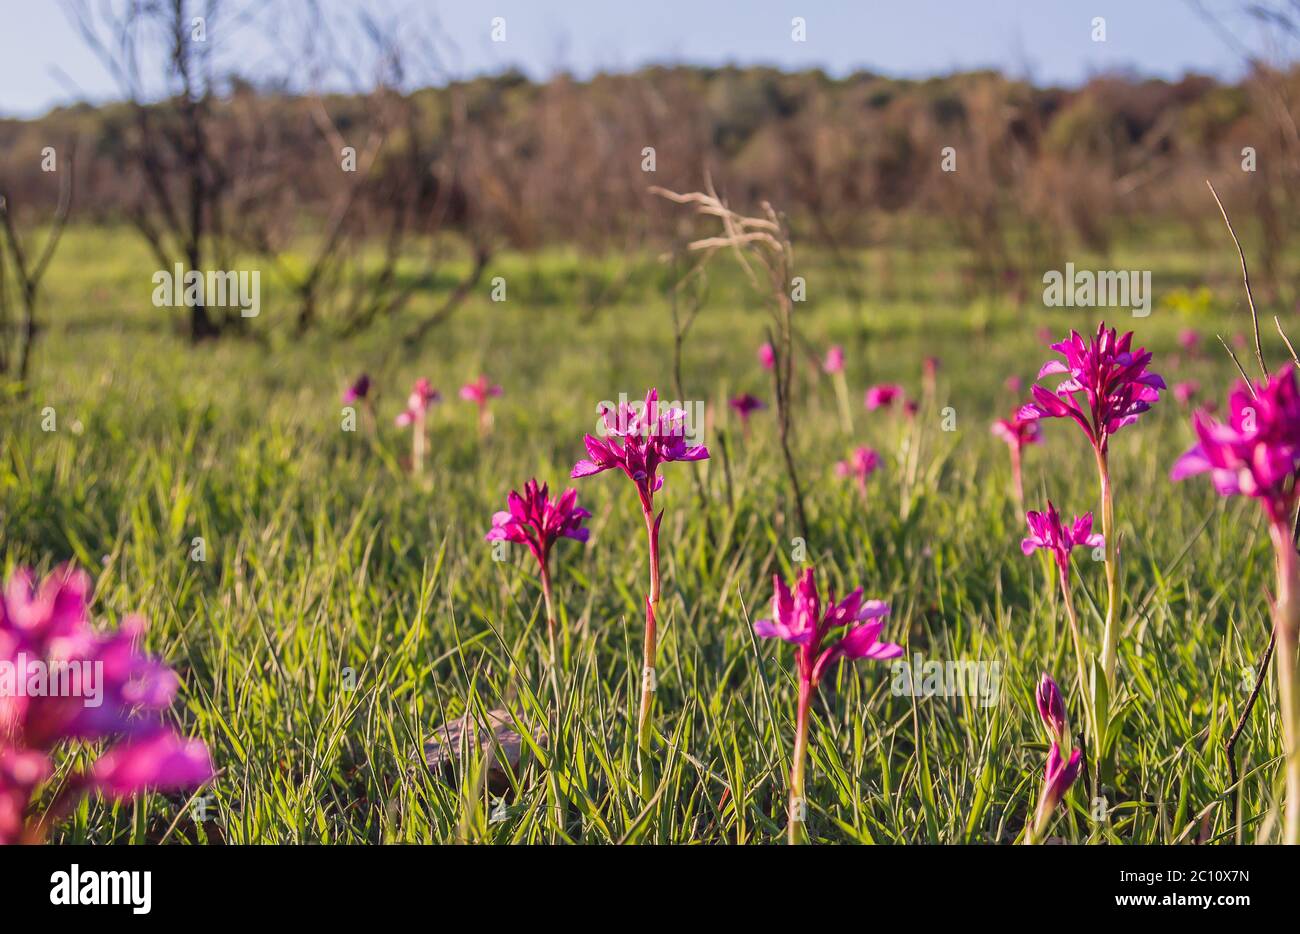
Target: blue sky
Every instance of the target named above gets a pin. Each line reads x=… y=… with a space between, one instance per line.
x=44 y=63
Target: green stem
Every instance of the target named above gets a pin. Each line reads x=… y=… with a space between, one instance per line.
x=1080 y=661
x=797 y=832
x=1110 y=638
x=550 y=632
x=1286 y=628
x=842 y=394
x=649 y=676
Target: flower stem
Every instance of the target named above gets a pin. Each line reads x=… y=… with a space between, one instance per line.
x=550 y=631
x=842 y=394
x=417 y=445
x=648 y=674
x=1080 y=661
x=798 y=804
x=1110 y=638
x=1017 y=477
x=1104 y=758
x=1286 y=629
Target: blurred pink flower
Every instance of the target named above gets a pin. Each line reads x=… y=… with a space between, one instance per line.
x=1185 y=391
x=767 y=356
x=1017 y=432
x=746 y=405
x=1257 y=453
x=882 y=396
x=417 y=404
x=359 y=389
x=834 y=362
x=861 y=465
x=1014 y=383
x=479 y=392
x=1189 y=340
x=121 y=698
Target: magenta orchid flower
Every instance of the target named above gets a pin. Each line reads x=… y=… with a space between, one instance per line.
x=834 y=362
x=746 y=405
x=1257 y=454
x=1048 y=532
x=1051 y=709
x=767 y=356
x=1113 y=379
x=882 y=396
x=1189 y=340
x=46 y=632
x=638 y=443
x=1058 y=777
x=797 y=618
x=1017 y=433
x=538 y=522
x=358 y=391
x=1107 y=386
x=480 y=392
x=422 y=396
x=1060 y=773
x=861 y=465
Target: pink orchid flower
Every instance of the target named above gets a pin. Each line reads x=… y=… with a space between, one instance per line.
x=746 y=405
x=1257 y=454
x=1017 y=433
x=797 y=618
x=882 y=396
x=638 y=443
x=1059 y=775
x=1047 y=531
x=861 y=465
x=1186 y=391
x=422 y=396
x=1051 y=709
x=1107 y=386
x=480 y=392
x=1189 y=340
x=767 y=356
x=359 y=390
x=1113 y=379
x=538 y=522
x=834 y=362
x=47 y=629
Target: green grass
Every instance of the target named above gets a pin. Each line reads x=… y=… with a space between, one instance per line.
x=324 y=556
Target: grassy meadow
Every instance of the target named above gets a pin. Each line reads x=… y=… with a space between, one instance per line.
x=345 y=609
